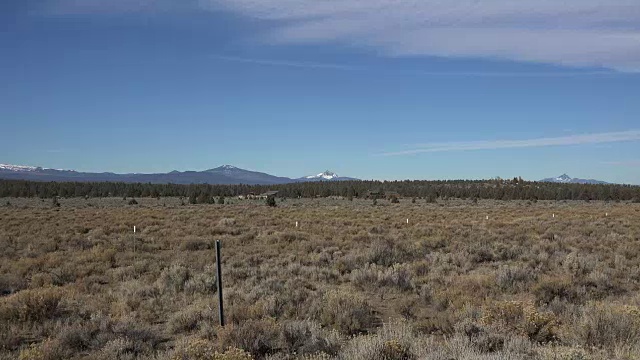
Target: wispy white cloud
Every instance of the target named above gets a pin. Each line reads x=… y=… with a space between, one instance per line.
x=581 y=33
x=285 y=63
x=332 y=66
x=591 y=33
x=611 y=137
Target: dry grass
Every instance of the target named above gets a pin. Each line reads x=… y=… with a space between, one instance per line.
x=352 y=281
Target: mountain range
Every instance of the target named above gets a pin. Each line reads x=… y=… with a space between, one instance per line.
x=225 y=174
x=566 y=179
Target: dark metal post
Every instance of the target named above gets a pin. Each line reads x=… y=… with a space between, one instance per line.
x=219 y=278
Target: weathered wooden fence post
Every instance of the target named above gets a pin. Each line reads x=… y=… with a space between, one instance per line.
x=219 y=281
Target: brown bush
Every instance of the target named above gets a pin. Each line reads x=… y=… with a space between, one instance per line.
x=201 y=349
x=397 y=276
x=194 y=245
x=522 y=318
x=185 y=320
x=348 y=268
x=257 y=337
x=346 y=312
x=31 y=305
x=550 y=288
x=306 y=337
x=511 y=279
x=173 y=279
x=10 y=283
x=394 y=341
x=605 y=326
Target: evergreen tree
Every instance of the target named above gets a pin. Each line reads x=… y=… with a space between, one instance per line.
x=271 y=201
x=516 y=189
x=203 y=198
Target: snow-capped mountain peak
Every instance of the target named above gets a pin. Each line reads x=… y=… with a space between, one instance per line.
x=229 y=169
x=17 y=168
x=327 y=175
x=563 y=178
x=225 y=169
x=566 y=179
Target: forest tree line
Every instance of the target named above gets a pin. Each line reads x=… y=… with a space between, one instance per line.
x=515 y=189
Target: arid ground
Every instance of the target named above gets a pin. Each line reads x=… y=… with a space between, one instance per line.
x=492 y=280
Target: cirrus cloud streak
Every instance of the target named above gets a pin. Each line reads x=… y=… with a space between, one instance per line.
x=610 y=137
x=582 y=33
x=576 y=33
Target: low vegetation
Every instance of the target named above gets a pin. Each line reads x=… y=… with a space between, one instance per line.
x=319 y=279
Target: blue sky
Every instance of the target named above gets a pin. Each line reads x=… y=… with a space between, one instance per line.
x=374 y=89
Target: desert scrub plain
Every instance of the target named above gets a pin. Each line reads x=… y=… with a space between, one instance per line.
x=353 y=281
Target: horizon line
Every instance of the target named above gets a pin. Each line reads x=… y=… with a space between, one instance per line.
x=296 y=178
